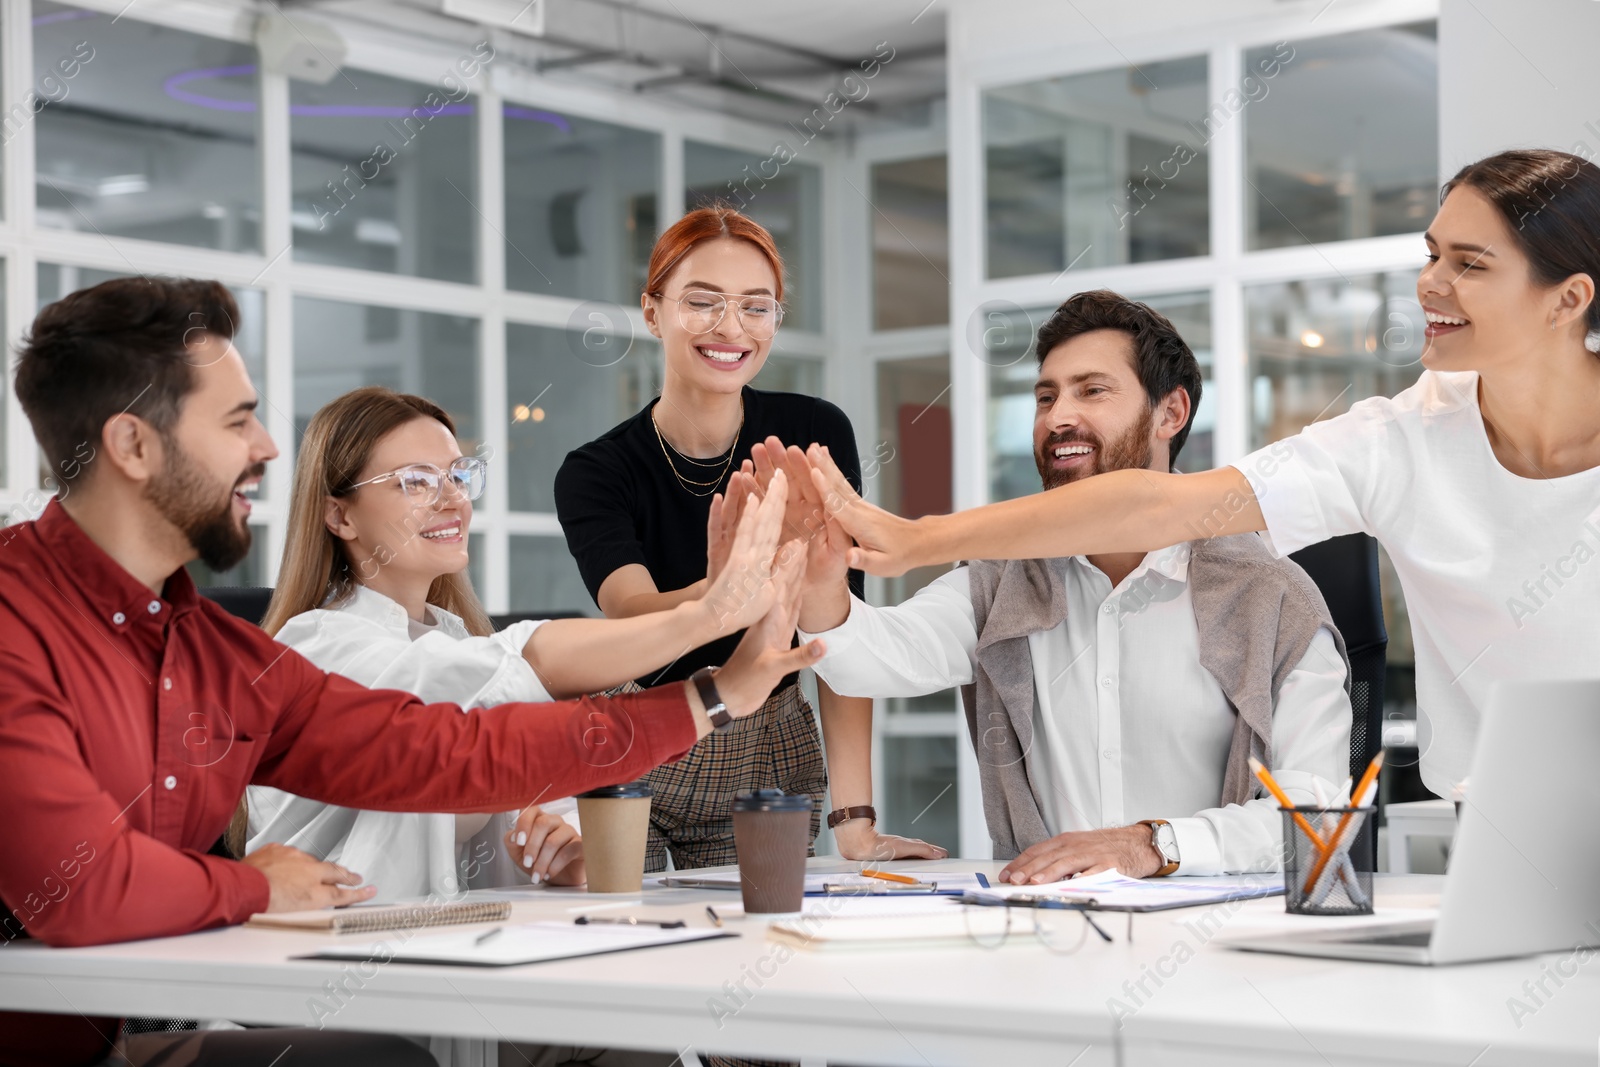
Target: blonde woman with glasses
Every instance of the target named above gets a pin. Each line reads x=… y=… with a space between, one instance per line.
x=373 y=586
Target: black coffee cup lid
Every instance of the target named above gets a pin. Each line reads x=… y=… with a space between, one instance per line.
x=626 y=790
x=772 y=800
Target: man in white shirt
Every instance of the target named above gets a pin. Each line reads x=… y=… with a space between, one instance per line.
x=1114 y=700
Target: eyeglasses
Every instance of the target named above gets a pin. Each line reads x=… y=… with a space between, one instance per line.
x=701 y=311
x=424 y=483
x=1059 y=926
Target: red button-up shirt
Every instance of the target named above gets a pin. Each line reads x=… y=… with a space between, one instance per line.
x=131 y=723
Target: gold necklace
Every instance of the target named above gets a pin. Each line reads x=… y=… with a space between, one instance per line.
x=689 y=485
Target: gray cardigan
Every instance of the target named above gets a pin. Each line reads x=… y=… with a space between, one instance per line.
x=1256 y=616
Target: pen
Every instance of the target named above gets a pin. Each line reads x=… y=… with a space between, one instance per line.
x=629 y=920
x=1368 y=779
x=1299 y=820
x=716 y=919
x=485 y=936
x=888 y=876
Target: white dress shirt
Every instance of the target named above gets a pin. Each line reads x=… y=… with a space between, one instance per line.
x=1499 y=571
x=370 y=639
x=1127 y=724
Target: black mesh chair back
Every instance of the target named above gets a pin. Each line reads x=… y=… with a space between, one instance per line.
x=1346 y=571
x=247 y=602
x=502 y=621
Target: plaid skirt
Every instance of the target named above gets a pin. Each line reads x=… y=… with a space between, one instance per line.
x=691 y=813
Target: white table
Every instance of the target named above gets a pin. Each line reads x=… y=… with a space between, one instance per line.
x=918 y=1007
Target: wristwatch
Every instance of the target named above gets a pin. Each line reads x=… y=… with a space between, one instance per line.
x=860 y=811
x=1165 y=841
x=716 y=710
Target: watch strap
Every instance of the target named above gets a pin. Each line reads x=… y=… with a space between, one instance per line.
x=859 y=811
x=716 y=709
x=1168 y=866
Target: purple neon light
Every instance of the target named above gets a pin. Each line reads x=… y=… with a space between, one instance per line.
x=63 y=16
x=174 y=87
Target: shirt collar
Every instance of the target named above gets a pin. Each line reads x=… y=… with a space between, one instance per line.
x=367 y=603
x=118 y=597
x=1171 y=562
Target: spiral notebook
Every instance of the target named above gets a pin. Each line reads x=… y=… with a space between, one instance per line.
x=368 y=919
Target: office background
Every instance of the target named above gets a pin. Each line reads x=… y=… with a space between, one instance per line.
x=1258 y=170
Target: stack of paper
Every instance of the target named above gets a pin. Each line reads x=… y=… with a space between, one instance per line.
x=1113 y=891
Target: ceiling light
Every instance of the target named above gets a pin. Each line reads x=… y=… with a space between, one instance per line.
x=1311 y=339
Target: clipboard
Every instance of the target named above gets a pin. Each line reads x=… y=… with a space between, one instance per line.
x=845 y=884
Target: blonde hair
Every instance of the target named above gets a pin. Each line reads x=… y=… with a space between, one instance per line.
x=316 y=570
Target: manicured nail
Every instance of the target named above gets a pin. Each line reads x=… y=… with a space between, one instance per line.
x=527 y=861
x=522 y=837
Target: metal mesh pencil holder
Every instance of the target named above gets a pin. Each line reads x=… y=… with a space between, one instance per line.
x=1341 y=883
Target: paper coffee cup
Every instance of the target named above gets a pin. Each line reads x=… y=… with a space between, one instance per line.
x=616 y=822
x=772 y=833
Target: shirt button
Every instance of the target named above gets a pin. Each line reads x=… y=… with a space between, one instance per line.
x=171 y=782
x=1109 y=608
x=166 y=683
x=1109 y=753
x=155 y=606
x=119 y=618
x=1105 y=683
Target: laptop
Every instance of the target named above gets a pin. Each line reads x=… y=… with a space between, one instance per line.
x=1524 y=875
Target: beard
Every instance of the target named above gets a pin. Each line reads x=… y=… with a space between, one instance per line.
x=1130 y=449
x=184 y=495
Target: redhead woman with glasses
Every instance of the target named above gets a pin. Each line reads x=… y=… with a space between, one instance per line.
x=635 y=503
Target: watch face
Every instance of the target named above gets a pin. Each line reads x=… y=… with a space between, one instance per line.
x=1167 y=842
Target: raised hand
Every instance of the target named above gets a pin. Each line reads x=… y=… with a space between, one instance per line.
x=885 y=544
x=764 y=657
x=802 y=519
x=742 y=590
x=727 y=508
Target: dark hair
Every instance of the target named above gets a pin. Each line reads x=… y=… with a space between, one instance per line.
x=1551 y=202
x=1161 y=357
x=119 y=346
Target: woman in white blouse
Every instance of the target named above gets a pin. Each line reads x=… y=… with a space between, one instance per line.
x=1482 y=480
x=373 y=587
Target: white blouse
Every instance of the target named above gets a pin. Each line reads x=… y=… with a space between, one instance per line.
x=1499 y=571
x=369 y=639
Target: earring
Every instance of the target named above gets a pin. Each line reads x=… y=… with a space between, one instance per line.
x=1591 y=341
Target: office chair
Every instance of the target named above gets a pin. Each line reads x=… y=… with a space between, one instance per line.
x=247 y=602
x=1345 y=569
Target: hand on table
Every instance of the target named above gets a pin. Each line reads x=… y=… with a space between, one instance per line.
x=1127 y=848
x=859 y=839
x=544 y=846
x=300 y=882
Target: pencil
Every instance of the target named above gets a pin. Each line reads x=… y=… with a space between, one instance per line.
x=1368 y=778
x=888 y=877
x=1299 y=819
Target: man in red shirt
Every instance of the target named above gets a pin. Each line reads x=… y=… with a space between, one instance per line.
x=133 y=713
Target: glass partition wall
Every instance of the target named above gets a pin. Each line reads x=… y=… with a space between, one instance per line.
x=1263 y=185
x=435 y=226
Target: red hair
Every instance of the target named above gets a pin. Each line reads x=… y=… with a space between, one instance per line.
x=702 y=225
